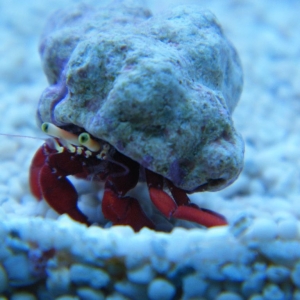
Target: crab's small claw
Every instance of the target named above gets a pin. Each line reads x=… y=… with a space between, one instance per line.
x=181 y=207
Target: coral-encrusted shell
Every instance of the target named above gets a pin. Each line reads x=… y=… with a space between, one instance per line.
x=160 y=89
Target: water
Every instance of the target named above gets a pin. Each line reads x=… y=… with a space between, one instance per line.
x=255 y=256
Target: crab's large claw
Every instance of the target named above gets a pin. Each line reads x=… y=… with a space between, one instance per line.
x=118 y=208
x=48 y=180
x=181 y=208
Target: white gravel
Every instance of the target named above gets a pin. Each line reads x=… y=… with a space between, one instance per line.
x=256 y=257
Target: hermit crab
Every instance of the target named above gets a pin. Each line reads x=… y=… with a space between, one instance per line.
x=66 y=154
x=135 y=97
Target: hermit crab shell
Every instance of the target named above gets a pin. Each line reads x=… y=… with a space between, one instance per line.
x=160 y=89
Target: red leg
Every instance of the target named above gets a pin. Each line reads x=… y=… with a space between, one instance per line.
x=162 y=201
x=116 y=207
x=191 y=212
x=181 y=208
x=124 y=174
x=123 y=210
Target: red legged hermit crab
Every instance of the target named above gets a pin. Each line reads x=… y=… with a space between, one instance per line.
x=153 y=94
x=66 y=154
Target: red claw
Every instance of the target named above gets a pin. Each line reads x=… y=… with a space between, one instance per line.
x=63 y=198
x=48 y=180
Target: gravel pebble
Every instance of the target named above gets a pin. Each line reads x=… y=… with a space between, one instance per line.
x=236 y=272
x=262 y=230
x=193 y=286
x=278 y=274
x=58 y=281
x=287 y=229
x=141 y=275
x=161 y=289
x=18 y=270
x=296 y=274
x=3 y=280
x=228 y=296
x=85 y=293
x=96 y=278
x=273 y=292
x=254 y=284
x=22 y=296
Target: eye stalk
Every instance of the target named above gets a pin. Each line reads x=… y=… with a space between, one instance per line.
x=68 y=138
x=57 y=132
x=85 y=140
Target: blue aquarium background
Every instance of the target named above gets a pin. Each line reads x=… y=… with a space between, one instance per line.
x=257 y=256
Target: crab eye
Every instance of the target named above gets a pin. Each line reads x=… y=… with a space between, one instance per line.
x=45 y=127
x=85 y=140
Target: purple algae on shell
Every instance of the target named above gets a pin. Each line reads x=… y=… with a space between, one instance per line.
x=161 y=89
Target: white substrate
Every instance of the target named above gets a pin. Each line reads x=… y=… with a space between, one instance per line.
x=256 y=257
